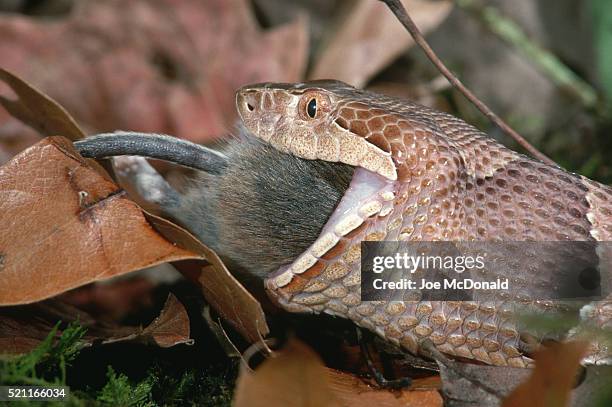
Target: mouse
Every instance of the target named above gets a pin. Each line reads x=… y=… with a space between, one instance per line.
x=259 y=208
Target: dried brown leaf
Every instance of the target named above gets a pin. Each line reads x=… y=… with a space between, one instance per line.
x=170 y=328
x=370 y=38
x=553 y=378
x=38 y=110
x=172 y=325
x=169 y=66
x=66 y=225
x=22 y=328
x=352 y=391
x=227 y=296
x=293 y=376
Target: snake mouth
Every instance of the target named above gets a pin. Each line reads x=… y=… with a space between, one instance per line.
x=368 y=196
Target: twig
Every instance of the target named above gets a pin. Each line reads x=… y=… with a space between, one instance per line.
x=399 y=11
x=383 y=382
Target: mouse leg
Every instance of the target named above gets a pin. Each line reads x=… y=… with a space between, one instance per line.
x=152 y=192
x=145 y=185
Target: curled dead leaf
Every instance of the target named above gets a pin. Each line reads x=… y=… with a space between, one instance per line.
x=37 y=110
x=553 y=378
x=370 y=38
x=293 y=376
x=65 y=225
x=170 y=328
x=173 y=71
x=22 y=328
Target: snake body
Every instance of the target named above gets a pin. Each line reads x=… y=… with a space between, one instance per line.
x=422 y=175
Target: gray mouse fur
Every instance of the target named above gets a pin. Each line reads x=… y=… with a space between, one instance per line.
x=265 y=208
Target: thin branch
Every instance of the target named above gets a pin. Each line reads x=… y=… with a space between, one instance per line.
x=399 y=11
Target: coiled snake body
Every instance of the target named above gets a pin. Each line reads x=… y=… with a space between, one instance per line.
x=421 y=175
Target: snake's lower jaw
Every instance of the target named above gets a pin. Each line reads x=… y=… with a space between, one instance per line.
x=369 y=195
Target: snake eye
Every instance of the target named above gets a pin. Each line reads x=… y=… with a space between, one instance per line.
x=311 y=108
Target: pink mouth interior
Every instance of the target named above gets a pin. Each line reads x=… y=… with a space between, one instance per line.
x=364 y=186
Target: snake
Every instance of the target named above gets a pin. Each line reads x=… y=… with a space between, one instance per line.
x=420 y=175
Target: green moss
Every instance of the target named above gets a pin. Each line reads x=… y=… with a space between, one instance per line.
x=212 y=386
x=46 y=365
x=164 y=384
x=120 y=392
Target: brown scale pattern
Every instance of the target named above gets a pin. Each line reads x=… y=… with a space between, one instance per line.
x=454 y=183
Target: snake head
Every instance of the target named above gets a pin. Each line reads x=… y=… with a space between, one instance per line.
x=308 y=121
x=314 y=121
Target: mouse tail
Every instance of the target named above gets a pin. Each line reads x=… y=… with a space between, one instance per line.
x=158 y=146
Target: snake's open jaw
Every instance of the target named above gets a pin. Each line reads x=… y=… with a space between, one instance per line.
x=369 y=195
x=271 y=112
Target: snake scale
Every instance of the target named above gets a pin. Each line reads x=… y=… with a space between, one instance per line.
x=421 y=175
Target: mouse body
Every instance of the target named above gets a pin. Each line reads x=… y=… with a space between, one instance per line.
x=265 y=208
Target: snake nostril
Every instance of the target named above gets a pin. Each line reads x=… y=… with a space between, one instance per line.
x=250 y=107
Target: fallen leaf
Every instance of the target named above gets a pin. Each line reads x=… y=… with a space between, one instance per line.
x=239 y=308
x=293 y=376
x=553 y=377
x=66 y=225
x=169 y=66
x=114 y=299
x=370 y=38
x=170 y=328
x=220 y=288
x=352 y=391
x=296 y=376
x=22 y=328
x=38 y=110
